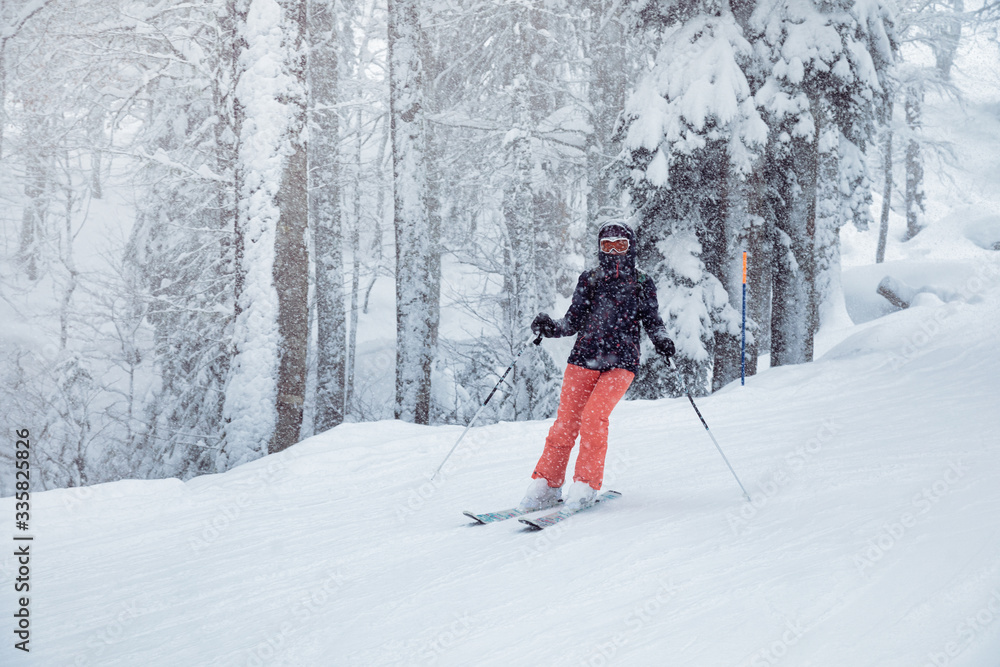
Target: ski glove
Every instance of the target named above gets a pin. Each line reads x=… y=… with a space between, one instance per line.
x=665 y=346
x=544 y=325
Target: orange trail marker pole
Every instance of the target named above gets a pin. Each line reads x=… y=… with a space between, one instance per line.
x=743 y=342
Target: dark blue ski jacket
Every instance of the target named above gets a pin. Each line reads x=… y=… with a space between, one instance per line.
x=609 y=304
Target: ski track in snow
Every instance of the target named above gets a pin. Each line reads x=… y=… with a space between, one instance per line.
x=873 y=537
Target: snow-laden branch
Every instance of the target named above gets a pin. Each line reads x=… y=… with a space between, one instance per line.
x=27 y=12
x=160 y=157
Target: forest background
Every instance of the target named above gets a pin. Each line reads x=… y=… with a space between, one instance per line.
x=215 y=212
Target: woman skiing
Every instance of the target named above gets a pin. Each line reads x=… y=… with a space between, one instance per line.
x=608 y=305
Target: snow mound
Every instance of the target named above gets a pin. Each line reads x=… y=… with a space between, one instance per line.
x=949 y=280
x=984 y=232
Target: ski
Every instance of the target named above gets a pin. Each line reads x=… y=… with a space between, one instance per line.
x=503 y=515
x=547 y=520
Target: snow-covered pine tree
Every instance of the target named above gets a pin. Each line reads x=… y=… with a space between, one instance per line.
x=266 y=385
x=692 y=134
x=827 y=65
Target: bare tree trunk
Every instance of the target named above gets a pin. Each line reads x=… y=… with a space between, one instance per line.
x=4 y=20
x=69 y=263
x=435 y=192
x=831 y=201
x=792 y=313
x=722 y=255
x=33 y=213
x=520 y=277
x=235 y=18
x=95 y=121
x=414 y=352
x=291 y=255
x=267 y=377
x=3 y=91
x=325 y=217
x=352 y=344
x=883 y=228
x=913 y=105
x=759 y=268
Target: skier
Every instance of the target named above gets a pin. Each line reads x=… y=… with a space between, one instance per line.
x=608 y=305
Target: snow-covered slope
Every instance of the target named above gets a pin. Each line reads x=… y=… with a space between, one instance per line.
x=873 y=537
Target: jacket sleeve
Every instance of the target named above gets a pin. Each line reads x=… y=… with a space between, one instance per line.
x=649 y=314
x=579 y=309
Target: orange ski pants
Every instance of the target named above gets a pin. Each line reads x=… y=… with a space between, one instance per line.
x=585 y=403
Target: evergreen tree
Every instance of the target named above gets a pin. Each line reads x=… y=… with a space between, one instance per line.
x=723 y=145
x=691 y=139
x=827 y=67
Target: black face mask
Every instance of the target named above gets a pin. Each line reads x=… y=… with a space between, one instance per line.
x=615 y=265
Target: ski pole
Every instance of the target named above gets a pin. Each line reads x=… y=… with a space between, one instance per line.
x=716 y=442
x=536 y=341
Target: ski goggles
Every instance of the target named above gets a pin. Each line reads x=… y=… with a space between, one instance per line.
x=614 y=246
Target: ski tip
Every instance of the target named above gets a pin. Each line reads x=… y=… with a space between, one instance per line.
x=530 y=524
x=475 y=518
